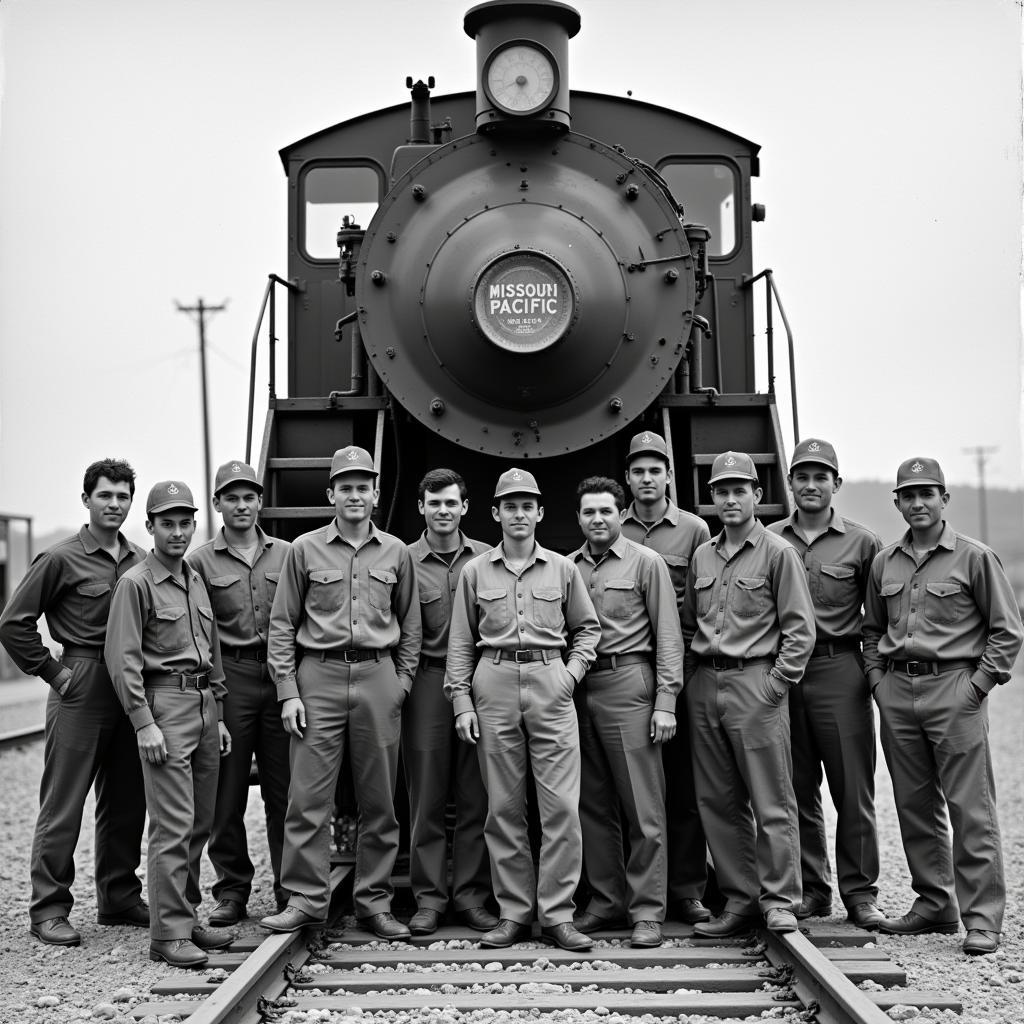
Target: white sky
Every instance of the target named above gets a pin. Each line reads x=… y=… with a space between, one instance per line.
x=138 y=166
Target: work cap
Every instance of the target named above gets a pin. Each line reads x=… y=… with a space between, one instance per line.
x=733 y=466
x=235 y=473
x=169 y=494
x=919 y=472
x=647 y=443
x=813 y=449
x=516 y=481
x=352 y=460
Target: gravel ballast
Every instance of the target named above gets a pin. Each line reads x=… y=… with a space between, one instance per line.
x=110 y=972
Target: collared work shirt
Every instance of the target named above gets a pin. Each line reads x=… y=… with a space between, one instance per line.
x=752 y=605
x=837 y=564
x=675 y=537
x=545 y=607
x=957 y=604
x=632 y=593
x=334 y=595
x=71 y=585
x=241 y=594
x=160 y=623
x=436 y=580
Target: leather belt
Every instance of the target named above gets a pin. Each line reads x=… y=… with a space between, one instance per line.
x=79 y=651
x=178 y=680
x=521 y=657
x=614 y=661
x=931 y=668
x=243 y=653
x=350 y=655
x=436 y=663
x=834 y=647
x=720 y=664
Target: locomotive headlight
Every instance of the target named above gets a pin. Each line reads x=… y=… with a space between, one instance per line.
x=520 y=78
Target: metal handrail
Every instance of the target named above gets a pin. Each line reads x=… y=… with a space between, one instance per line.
x=269 y=296
x=772 y=291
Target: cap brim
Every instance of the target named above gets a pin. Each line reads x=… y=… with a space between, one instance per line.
x=231 y=483
x=814 y=460
x=168 y=505
x=518 y=490
x=354 y=469
x=742 y=477
x=926 y=482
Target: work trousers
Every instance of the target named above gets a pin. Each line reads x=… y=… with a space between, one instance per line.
x=687 y=845
x=434 y=761
x=622 y=775
x=252 y=715
x=180 y=797
x=528 y=721
x=744 y=776
x=359 y=704
x=935 y=738
x=88 y=739
x=832 y=724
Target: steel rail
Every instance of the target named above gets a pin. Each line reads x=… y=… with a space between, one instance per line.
x=21 y=737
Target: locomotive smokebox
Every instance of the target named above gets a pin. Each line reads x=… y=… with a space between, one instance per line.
x=522 y=55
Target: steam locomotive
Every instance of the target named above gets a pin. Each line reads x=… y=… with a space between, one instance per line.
x=522 y=274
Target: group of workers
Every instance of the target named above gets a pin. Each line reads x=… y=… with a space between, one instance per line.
x=671 y=694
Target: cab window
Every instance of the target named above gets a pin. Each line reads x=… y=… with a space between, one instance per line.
x=708 y=194
x=328 y=193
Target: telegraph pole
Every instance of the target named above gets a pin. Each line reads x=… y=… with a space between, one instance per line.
x=199 y=312
x=981 y=454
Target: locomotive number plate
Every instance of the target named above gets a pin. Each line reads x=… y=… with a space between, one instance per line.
x=523 y=302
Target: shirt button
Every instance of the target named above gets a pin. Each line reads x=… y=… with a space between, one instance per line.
x=520 y=611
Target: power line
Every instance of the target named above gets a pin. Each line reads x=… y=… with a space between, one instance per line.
x=981 y=453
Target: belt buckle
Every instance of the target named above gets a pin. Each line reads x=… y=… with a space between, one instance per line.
x=350 y=657
x=914 y=668
x=522 y=657
x=718 y=664
x=188 y=681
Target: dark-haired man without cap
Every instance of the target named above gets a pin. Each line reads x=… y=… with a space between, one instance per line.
x=163 y=654
x=830 y=712
x=241 y=567
x=347 y=597
x=749 y=630
x=88 y=737
x=941 y=630
x=433 y=759
x=655 y=521
x=523 y=635
x=626 y=707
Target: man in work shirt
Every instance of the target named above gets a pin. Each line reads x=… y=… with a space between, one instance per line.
x=941 y=630
x=88 y=738
x=524 y=612
x=626 y=707
x=431 y=754
x=241 y=567
x=830 y=713
x=347 y=597
x=749 y=630
x=655 y=521
x=163 y=654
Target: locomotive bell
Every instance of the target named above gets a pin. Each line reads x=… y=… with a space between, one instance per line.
x=522 y=54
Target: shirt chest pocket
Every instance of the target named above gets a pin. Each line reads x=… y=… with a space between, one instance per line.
x=226 y=595
x=94 y=604
x=272 y=581
x=326 y=591
x=750 y=596
x=837 y=586
x=892 y=594
x=677 y=567
x=621 y=600
x=703 y=587
x=494 y=615
x=381 y=583
x=547 y=607
x=171 y=628
x=432 y=610
x=945 y=601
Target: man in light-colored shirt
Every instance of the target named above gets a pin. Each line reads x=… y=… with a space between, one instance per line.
x=748 y=625
x=347 y=598
x=941 y=630
x=523 y=635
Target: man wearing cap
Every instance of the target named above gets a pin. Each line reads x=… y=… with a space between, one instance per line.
x=241 y=567
x=626 y=707
x=748 y=625
x=163 y=654
x=655 y=521
x=88 y=738
x=347 y=597
x=831 y=719
x=433 y=759
x=523 y=634
x=941 y=630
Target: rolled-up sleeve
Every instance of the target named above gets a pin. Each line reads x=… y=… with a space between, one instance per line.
x=123 y=650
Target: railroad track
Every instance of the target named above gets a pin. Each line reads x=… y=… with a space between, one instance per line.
x=815 y=971
x=20 y=737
